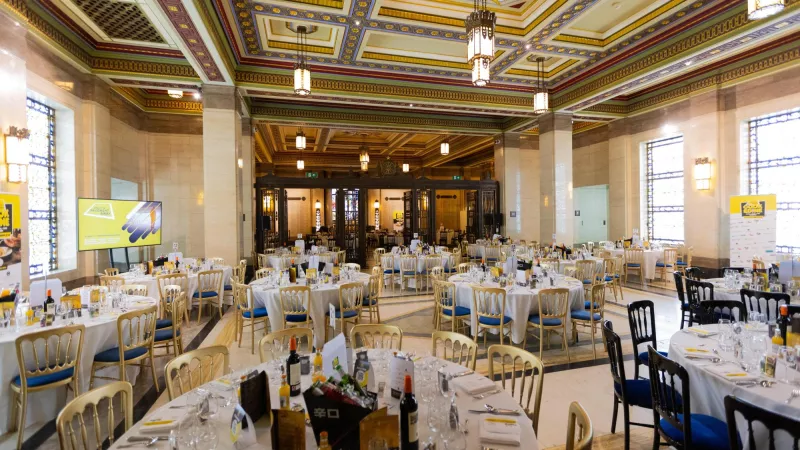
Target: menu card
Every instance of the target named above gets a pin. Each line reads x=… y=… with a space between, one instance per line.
x=334 y=353
x=255 y=396
x=289 y=429
x=400 y=367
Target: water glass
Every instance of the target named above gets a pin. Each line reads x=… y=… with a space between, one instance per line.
x=725 y=336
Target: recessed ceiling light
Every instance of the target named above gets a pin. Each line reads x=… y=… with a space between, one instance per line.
x=688 y=63
x=357 y=22
x=411 y=105
x=196 y=95
x=528 y=46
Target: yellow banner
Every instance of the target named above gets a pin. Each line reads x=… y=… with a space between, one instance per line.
x=104 y=224
x=753 y=206
x=10 y=232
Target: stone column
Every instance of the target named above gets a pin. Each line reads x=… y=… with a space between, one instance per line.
x=622 y=214
x=247 y=195
x=222 y=133
x=97 y=144
x=555 y=150
x=516 y=168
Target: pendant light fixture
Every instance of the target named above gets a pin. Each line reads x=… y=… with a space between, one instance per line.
x=445 y=147
x=302 y=75
x=300 y=144
x=759 y=9
x=541 y=98
x=363 y=157
x=480 y=45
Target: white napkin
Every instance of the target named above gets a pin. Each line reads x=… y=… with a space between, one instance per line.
x=695 y=352
x=500 y=430
x=454 y=370
x=163 y=420
x=474 y=384
x=700 y=331
x=732 y=375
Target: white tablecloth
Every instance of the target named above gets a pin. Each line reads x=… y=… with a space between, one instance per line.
x=321 y=296
x=723 y=293
x=152 y=284
x=101 y=334
x=564 y=263
x=277 y=261
x=708 y=390
x=222 y=421
x=521 y=302
x=651 y=257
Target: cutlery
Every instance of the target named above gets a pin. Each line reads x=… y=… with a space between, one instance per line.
x=146 y=438
x=485 y=394
x=462 y=374
x=140 y=443
x=712 y=360
x=795 y=393
x=497 y=411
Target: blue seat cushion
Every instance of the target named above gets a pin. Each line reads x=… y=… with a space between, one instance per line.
x=549 y=322
x=258 y=312
x=164 y=335
x=295 y=318
x=681 y=263
x=228 y=287
x=347 y=314
x=644 y=357
x=460 y=311
x=707 y=432
x=368 y=302
x=491 y=259
x=409 y=272
x=391 y=271
x=587 y=304
x=584 y=315
x=112 y=354
x=684 y=306
x=205 y=294
x=43 y=380
x=163 y=323
x=450 y=270
x=493 y=320
x=634 y=265
x=660 y=264
x=638 y=393
x=587 y=281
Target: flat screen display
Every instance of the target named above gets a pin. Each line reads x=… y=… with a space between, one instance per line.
x=105 y=224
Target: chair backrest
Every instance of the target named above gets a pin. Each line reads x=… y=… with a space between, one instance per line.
x=387 y=261
x=615 y=361
x=764 y=302
x=350 y=297
x=263 y=260
x=523 y=370
x=179 y=279
x=579 y=428
x=238 y=272
x=353 y=266
x=70 y=438
x=464 y=267
x=585 y=269
x=669 y=388
x=444 y=293
x=679 y=286
x=553 y=303
x=51 y=350
x=768 y=419
x=341 y=256
x=698 y=291
x=111 y=271
x=432 y=261
x=437 y=272
x=135 y=329
x=112 y=281
x=376 y=336
x=380 y=251
x=710 y=311
x=374 y=286
x=670 y=257
x=134 y=289
x=176 y=307
x=241 y=298
x=608 y=266
x=619 y=261
x=634 y=256
x=376 y=270
x=210 y=281
x=554 y=263
x=262 y=273
x=642 y=320
x=492 y=252
x=408 y=264
x=276 y=339
x=489 y=302
x=295 y=300
x=598 y=303
x=195 y=368
x=462 y=349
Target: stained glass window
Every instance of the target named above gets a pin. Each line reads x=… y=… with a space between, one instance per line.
x=773 y=163
x=665 y=190
x=42 y=226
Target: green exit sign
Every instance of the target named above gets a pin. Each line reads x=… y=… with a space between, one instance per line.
x=457 y=177
x=312 y=175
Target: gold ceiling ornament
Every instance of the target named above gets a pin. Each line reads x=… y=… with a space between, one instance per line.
x=541 y=98
x=759 y=9
x=302 y=74
x=480 y=45
x=175 y=93
x=445 y=147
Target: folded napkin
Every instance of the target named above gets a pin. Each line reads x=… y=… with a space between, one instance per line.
x=500 y=430
x=455 y=370
x=163 y=420
x=733 y=375
x=695 y=352
x=474 y=384
x=700 y=331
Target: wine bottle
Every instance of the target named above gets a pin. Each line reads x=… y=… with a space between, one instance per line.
x=49 y=308
x=783 y=323
x=409 y=437
x=293 y=368
x=283 y=393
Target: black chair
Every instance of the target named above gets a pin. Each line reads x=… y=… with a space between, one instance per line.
x=627 y=392
x=753 y=298
x=672 y=412
x=711 y=311
x=768 y=419
x=681 y=297
x=642 y=320
x=694 y=273
x=737 y=269
x=794 y=309
x=697 y=291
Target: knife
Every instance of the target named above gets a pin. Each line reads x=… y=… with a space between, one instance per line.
x=499 y=412
x=462 y=374
x=146 y=438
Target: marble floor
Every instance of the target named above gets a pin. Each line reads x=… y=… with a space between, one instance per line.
x=584 y=379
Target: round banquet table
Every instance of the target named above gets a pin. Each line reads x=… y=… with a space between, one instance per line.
x=521 y=302
x=565 y=263
x=43 y=406
x=222 y=421
x=708 y=390
x=651 y=257
x=152 y=283
x=420 y=269
x=322 y=295
x=723 y=293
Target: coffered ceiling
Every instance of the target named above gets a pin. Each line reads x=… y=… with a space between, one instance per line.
x=398 y=67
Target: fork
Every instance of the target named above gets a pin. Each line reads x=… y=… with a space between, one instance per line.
x=795 y=393
x=485 y=394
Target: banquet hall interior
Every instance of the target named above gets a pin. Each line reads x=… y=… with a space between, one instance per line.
x=572 y=224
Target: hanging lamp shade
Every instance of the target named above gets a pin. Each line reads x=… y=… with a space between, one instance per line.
x=405 y=167
x=541 y=98
x=300 y=140
x=363 y=158
x=445 y=148
x=759 y=9
x=302 y=74
x=301 y=164
x=480 y=26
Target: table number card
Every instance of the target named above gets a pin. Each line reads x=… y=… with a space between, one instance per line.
x=242 y=431
x=398 y=369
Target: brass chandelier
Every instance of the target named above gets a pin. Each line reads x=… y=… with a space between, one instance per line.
x=480 y=47
x=302 y=74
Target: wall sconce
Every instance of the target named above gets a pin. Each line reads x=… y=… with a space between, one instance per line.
x=317 y=215
x=16 y=157
x=702 y=174
x=240 y=163
x=377 y=206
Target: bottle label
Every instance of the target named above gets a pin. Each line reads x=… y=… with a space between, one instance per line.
x=412 y=427
x=294 y=375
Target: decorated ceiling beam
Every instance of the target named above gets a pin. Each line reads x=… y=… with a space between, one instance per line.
x=397 y=143
x=323 y=139
x=467 y=148
x=263 y=153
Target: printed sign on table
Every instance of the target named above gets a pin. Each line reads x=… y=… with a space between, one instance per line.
x=752 y=228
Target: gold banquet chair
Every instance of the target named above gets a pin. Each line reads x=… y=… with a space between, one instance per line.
x=591 y=317
x=195 y=368
x=135 y=332
x=262 y=273
x=246 y=312
x=171 y=336
x=579 y=428
x=295 y=303
x=111 y=281
x=174 y=279
x=209 y=289
x=68 y=437
x=634 y=259
x=134 y=289
x=444 y=295
x=54 y=355
x=351 y=297
x=377 y=336
x=111 y=272
x=552 y=316
x=463 y=350
x=524 y=370
x=370 y=302
x=489 y=305
x=267 y=344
